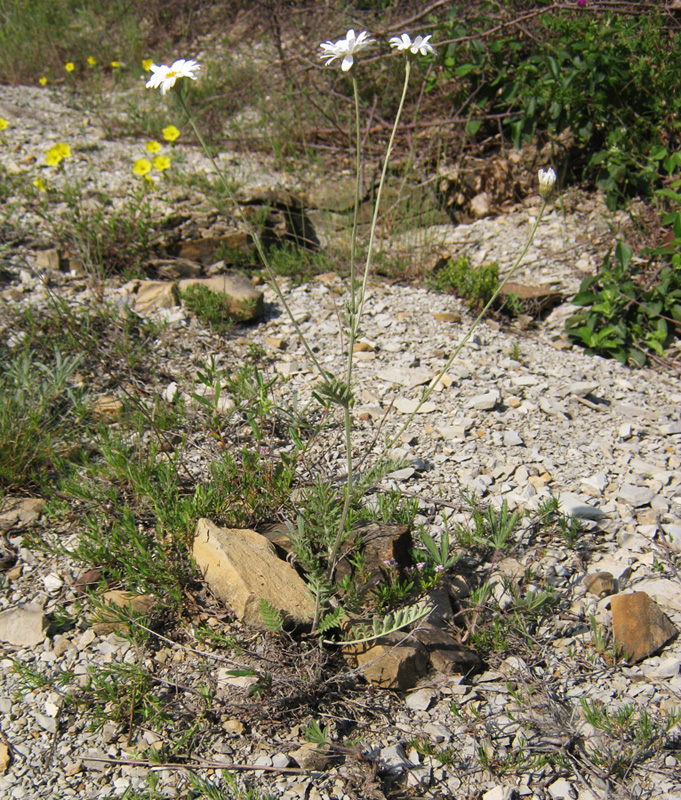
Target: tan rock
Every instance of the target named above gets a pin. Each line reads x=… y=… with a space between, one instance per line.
x=106 y=407
x=146 y=296
x=242 y=568
x=311 y=756
x=639 y=625
x=600 y=583
x=4 y=758
x=244 y=301
x=479 y=205
x=389 y=666
x=48 y=259
x=109 y=621
x=447 y=316
x=15 y=511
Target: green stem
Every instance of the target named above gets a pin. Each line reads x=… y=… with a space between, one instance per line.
x=358 y=178
x=372 y=231
x=356 y=310
x=431 y=386
x=271 y=277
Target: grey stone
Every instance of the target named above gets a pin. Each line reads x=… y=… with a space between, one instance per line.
x=485 y=402
x=572 y=505
x=512 y=439
x=636 y=496
x=420 y=700
x=23 y=626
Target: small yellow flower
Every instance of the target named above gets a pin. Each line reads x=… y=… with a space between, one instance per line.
x=52 y=157
x=42 y=81
x=142 y=167
x=63 y=150
x=40 y=185
x=170 y=133
x=115 y=64
x=91 y=61
x=149 y=181
x=161 y=163
x=69 y=66
x=3 y=124
x=146 y=64
x=153 y=147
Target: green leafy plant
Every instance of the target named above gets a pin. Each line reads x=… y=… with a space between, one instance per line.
x=633 y=310
x=213 y=308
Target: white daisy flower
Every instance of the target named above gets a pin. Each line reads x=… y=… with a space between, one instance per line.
x=345 y=48
x=164 y=77
x=419 y=45
x=547 y=180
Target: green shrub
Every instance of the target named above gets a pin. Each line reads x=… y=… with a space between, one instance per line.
x=607 y=80
x=633 y=308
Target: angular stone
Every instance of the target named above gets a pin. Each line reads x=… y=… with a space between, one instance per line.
x=595 y=484
x=420 y=700
x=311 y=756
x=389 y=666
x=446 y=316
x=242 y=568
x=512 y=439
x=20 y=511
x=48 y=259
x=147 y=296
x=5 y=759
x=485 y=402
x=571 y=505
x=407 y=406
x=244 y=301
x=552 y=407
x=600 y=583
x=479 y=205
x=636 y=496
x=23 y=626
x=409 y=378
x=639 y=625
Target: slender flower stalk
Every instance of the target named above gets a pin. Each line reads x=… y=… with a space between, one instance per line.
x=431 y=386
x=354 y=327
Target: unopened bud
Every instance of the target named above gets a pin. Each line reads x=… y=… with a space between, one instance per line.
x=547 y=180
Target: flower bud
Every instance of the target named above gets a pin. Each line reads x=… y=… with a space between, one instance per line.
x=547 y=180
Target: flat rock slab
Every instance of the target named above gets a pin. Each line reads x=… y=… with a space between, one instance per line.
x=640 y=626
x=242 y=568
x=23 y=626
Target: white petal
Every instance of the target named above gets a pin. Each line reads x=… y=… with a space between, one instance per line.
x=347 y=62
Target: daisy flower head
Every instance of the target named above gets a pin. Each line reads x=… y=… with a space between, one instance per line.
x=420 y=45
x=164 y=78
x=346 y=48
x=153 y=147
x=547 y=180
x=142 y=167
x=69 y=66
x=161 y=163
x=170 y=133
x=91 y=61
x=42 y=81
x=146 y=64
x=115 y=64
